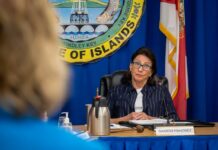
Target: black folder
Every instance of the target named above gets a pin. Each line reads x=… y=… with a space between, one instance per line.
x=194 y=123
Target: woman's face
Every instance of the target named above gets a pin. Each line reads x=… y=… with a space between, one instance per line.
x=140 y=68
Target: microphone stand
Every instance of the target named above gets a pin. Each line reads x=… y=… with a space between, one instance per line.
x=166 y=114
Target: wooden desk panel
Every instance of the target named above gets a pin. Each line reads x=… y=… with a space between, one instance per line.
x=147 y=132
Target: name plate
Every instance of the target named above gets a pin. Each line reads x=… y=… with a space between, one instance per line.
x=174 y=130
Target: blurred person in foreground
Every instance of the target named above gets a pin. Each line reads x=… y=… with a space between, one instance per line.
x=140 y=98
x=32 y=78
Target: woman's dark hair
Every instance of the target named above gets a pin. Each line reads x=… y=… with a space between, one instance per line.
x=148 y=53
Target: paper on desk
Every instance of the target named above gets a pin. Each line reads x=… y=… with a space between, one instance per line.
x=117 y=126
x=149 y=122
x=84 y=135
x=181 y=122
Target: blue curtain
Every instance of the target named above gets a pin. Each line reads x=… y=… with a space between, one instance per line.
x=201 y=30
x=201 y=27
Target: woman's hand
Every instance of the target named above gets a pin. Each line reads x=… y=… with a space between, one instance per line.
x=138 y=116
x=142 y=116
x=132 y=116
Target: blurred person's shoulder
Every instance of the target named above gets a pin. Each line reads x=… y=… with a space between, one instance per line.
x=29 y=133
x=70 y=140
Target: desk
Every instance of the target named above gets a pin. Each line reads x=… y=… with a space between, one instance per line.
x=206 y=138
x=147 y=132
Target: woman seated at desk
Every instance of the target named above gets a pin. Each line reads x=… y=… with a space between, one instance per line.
x=140 y=98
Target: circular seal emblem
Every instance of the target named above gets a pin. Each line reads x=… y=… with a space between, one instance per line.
x=93 y=29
